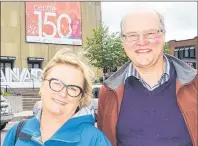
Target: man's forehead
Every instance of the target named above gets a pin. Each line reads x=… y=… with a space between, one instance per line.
x=141 y=16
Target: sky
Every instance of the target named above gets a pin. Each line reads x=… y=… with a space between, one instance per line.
x=180 y=17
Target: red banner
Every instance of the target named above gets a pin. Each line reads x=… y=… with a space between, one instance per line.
x=53 y=22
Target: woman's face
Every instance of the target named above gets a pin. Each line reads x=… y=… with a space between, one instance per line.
x=61 y=83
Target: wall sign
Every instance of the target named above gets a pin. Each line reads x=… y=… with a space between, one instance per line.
x=192 y=64
x=35 y=59
x=7 y=58
x=53 y=22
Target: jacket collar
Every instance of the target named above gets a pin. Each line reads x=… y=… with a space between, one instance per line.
x=70 y=132
x=72 y=129
x=185 y=73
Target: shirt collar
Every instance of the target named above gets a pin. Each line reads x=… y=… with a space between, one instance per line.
x=133 y=72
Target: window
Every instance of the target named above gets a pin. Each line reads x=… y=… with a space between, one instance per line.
x=34 y=62
x=192 y=52
x=34 y=65
x=2 y=65
x=186 y=52
x=6 y=64
x=176 y=54
x=181 y=53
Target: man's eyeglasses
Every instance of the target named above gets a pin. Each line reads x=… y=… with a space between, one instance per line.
x=134 y=36
x=57 y=85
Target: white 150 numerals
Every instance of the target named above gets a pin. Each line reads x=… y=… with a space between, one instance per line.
x=46 y=22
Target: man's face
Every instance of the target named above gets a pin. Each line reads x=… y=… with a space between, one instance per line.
x=143 y=40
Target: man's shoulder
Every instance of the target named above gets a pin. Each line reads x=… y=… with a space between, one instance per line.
x=103 y=90
x=117 y=78
x=195 y=81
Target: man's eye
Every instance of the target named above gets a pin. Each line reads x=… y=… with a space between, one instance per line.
x=150 y=33
x=133 y=35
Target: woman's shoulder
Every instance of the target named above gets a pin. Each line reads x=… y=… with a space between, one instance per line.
x=89 y=128
x=11 y=134
x=97 y=136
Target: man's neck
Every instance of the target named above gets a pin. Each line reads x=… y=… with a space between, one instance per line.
x=151 y=75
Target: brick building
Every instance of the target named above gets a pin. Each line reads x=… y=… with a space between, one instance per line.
x=185 y=50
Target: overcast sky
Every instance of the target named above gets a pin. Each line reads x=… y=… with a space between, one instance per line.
x=180 y=17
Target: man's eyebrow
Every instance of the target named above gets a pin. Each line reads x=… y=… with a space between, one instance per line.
x=131 y=32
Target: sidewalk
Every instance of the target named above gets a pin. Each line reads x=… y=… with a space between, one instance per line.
x=22 y=115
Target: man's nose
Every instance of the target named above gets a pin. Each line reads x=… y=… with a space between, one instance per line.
x=142 y=41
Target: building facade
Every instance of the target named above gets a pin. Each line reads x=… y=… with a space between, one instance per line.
x=23 y=54
x=186 y=50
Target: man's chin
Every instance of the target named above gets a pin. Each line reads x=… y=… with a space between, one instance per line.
x=144 y=64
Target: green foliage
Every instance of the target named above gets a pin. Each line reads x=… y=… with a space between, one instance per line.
x=6 y=94
x=166 y=49
x=105 y=50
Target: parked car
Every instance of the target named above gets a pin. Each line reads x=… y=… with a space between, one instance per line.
x=94 y=104
x=6 y=112
x=95 y=92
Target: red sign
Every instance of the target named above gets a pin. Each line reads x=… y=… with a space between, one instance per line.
x=53 y=22
x=191 y=64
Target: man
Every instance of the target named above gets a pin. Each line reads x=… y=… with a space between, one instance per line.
x=152 y=99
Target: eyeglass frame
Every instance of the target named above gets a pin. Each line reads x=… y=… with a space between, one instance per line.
x=64 y=86
x=140 y=33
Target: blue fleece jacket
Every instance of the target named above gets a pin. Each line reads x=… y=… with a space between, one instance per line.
x=78 y=131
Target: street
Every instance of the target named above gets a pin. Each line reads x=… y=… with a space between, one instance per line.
x=4 y=131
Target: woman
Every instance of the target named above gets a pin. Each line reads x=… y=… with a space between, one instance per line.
x=65 y=119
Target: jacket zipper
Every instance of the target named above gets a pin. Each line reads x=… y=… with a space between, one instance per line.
x=37 y=141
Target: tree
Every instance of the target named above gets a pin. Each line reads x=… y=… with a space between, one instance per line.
x=166 y=48
x=104 y=50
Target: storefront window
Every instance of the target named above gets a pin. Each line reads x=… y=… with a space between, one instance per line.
x=176 y=52
x=192 y=52
x=181 y=53
x=186 y=52
x=34 y=65
x=6 y=64
x=34 y=62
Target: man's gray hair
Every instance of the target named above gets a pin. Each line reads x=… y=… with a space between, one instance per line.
x=160 y=16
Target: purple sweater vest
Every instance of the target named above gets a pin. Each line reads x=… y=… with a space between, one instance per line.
x=151 y=118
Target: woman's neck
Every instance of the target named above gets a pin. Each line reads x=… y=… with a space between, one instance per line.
x=50 y=123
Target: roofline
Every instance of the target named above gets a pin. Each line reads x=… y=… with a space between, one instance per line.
x=183 y=40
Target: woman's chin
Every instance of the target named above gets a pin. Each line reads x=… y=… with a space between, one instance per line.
x=57 y=111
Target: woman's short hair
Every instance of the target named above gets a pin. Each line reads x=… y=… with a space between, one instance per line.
x=67 y=56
